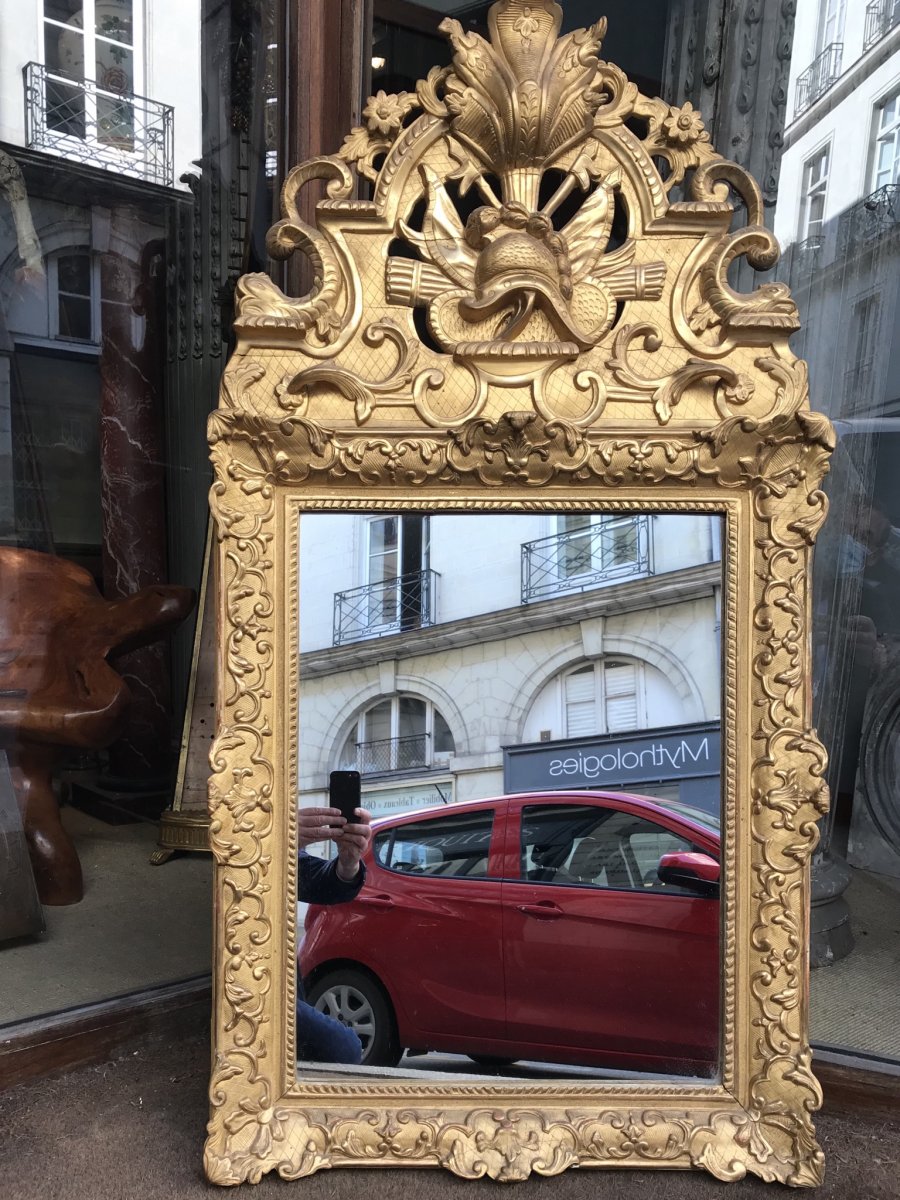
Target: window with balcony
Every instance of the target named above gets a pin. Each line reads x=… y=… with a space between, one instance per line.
x=586 y=552
x=84 y=99
x=399 y=733
x=812 y=203
x=826 y=66
x=830 y=29
x=399 y=592
x=881 y=17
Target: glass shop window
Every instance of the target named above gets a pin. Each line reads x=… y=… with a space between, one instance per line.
x=118 y=259
x=848 y=298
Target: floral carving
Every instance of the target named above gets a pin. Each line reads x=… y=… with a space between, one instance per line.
x=684 y=126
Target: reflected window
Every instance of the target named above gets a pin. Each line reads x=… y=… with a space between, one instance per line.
x=887 y=143
x=589 y=846
x=452 y=847
x=815 y=188
x=604 y=697
x=92 y=42
x=587 y=551
x=830 y=28
x=400 y=733
x=74 y=295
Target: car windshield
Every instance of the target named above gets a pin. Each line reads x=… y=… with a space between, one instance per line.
x=708 y=821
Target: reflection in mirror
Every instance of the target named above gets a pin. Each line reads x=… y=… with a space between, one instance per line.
x=532 y=704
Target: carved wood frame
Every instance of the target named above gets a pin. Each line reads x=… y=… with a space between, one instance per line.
x=560 y=375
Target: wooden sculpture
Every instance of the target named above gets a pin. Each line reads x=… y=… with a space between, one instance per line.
x=57 y=690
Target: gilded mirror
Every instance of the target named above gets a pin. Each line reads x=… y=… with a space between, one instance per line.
x=515 y=511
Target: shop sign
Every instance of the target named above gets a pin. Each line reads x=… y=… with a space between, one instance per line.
x=648 y=756
x=393 y=802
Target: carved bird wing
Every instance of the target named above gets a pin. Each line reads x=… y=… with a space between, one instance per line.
x=587 y=234
x=443 y=237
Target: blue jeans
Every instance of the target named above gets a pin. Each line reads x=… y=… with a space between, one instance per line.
x=322 y=1039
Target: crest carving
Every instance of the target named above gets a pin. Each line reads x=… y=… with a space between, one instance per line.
x=521 y=300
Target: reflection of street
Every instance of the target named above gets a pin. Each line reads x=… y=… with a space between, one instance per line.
x=462 y=1069
x=842 y=1012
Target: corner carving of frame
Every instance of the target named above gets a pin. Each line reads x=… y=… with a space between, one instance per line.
x=535 y=297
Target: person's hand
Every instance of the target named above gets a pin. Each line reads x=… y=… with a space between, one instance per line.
x=318 y=825
x=352 y=842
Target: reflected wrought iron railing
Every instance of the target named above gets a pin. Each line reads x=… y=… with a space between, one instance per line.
x=818 y=77
x=582 y=559
x=405 y=602
x=881 y=17
x=393 y=754
x=874 y=217
x=806 y=256
x=86 y=123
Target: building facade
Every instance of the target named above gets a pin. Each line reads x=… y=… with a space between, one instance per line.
x=435 y=650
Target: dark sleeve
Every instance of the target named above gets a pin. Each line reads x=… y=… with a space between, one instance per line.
x=319 y=882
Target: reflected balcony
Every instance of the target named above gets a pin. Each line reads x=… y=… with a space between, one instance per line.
x=388 y=755
x=806 y=256
x=868 y=222
x=83 y=122
x=818 y=77
x=881 y=17
x=579 y=560
x=393 y=606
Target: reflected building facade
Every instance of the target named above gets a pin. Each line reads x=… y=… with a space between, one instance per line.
x=445 y=656
x=838 y=219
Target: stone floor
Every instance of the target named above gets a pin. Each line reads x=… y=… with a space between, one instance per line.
x=137 y=927
x=855 y=1003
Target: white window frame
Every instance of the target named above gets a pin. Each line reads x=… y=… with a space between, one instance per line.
x=831 y=24
x=812 y=190
x=111 y=154
x=600 y=667
x=880 y=135
x=53 y=298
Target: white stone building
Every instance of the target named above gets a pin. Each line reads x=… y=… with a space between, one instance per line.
x=460 y=656
x=838 y=218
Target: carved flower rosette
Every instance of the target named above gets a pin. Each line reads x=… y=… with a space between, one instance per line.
x=532 y=310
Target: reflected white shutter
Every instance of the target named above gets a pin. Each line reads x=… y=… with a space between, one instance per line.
x=621 y=686
x=581 y=704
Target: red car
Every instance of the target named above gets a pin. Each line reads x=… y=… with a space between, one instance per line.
x=570 y=927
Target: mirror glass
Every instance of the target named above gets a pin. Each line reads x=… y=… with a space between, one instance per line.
x=532 y=703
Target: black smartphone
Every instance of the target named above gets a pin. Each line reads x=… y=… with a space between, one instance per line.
x=345 y=793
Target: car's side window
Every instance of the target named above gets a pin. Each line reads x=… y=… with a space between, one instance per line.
x=595 y=847
x=451 y=847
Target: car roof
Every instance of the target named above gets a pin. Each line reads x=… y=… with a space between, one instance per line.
x=652 y=806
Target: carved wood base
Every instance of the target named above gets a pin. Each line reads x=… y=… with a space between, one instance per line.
x=57 y=869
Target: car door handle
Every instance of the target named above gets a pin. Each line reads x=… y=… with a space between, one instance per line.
x=377 y=901
x=545 y=912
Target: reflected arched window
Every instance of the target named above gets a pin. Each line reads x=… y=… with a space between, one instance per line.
x=603 y=697
x=398 y=733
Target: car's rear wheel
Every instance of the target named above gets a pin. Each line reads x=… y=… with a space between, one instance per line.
x=358 y=1001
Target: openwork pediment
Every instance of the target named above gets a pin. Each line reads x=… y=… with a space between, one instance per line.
x=541 y=238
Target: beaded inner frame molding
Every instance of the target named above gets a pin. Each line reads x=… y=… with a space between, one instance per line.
x=532 y=311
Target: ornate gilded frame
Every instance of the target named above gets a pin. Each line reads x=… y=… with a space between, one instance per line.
x=506 y=362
